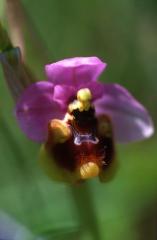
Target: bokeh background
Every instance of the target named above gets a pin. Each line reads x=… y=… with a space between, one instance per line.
x=124 y=34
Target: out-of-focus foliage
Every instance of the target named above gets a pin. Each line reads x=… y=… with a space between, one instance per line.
x=11 y=229
x=124 y=33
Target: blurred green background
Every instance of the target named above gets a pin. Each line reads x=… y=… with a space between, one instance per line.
x=124 y=34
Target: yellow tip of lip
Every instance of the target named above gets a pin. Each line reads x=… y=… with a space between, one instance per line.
x=89 y=170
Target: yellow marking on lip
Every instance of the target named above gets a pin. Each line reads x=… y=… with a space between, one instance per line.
x=89 y=170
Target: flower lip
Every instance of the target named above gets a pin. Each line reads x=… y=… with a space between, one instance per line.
x=87 y=152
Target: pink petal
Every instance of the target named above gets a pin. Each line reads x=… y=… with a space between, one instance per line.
x=131 y=121
x=64 y=94
x=75 y=71
x=96 y=88
x=36 y=108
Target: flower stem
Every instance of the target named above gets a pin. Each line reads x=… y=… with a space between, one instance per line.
x=5 y=43
x=16 y=73
x=82 y=197
x=16 y=24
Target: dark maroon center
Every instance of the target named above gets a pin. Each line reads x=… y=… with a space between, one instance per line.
x=86 y=143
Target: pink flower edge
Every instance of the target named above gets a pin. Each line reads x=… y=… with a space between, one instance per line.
x=75 y=71
x=47 y=100
x=131 y=121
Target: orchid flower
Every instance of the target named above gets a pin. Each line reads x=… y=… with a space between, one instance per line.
x=78 y=119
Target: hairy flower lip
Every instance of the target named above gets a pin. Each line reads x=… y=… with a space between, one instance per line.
x=85 y=151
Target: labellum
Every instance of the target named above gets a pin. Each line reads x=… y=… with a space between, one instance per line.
x=81 y=144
